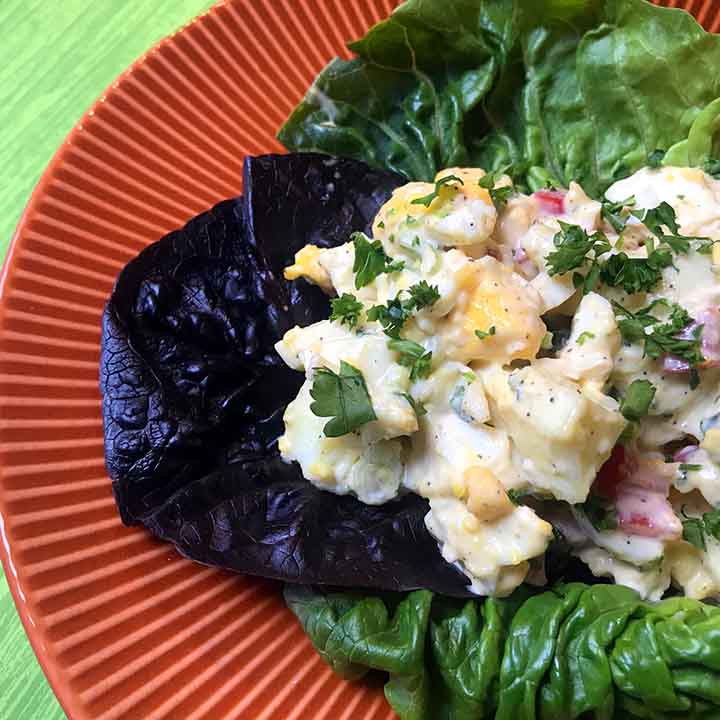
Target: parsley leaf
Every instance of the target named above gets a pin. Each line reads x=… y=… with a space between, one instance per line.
x=573 y=246
x=654 y=218
x=393 y=315
x=637 y=400
x=500 y=195
x=662 y=337
x=346 y=310
x=583 y=337
x=426 y=200
x=695 y=529
x=422 y=295
x=600 y=513
x=343 y=397
x=371 y=260
x=694 y=532
x=635 y=274
x=412 y=355
x=613 y=213
x=416 y=405
x=482 y=334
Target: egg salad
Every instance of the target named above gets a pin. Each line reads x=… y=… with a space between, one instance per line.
x=543 y=368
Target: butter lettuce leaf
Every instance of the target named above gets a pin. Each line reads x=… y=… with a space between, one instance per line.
x=560 y=90
x=575 y=651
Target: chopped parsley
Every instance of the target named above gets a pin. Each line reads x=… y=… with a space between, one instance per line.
x=573 y=248
x=416 y=405
x=394 y=315
x=662 y=336
x=600 y=512
x=343 y=397
x=412 y=355
x=583 y=337
x=426 y=200
x=422 y=295
x=371 y=260
x=613 y=213
x=482 y=334
x=635 y=274
x=500 y=195
x=346 y=310
x=638 y=398
x=695 y=529
x=576 y=250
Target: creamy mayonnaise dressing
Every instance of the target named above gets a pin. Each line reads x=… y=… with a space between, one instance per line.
x=502 y=411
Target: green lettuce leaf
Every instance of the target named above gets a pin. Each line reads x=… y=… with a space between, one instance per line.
x=575 y=651
x=559 y=90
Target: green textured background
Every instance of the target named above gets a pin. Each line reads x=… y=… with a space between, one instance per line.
x=56 y=57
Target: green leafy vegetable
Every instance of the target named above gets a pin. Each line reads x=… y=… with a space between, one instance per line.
x=694 y=532
x=412 y=355
x=570 y=652
x=561 y=90
x=500 y=195
x=616 y=214
x=482 y=334
x=583 y=337
x=638 y=398
x=397 y=311
x=371 y=260
x=576 y=249
x=346 y=310
x=343 y=397
x=422 y=295
x=427 y=200
x=662 y=337
x=696 y=528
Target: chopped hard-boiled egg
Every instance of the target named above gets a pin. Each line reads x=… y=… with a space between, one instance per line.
x=496 y=318
x=561 y=432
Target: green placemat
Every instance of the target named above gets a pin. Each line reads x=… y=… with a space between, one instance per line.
x=56 y=58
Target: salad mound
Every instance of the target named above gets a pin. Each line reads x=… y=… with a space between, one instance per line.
x=440 y=376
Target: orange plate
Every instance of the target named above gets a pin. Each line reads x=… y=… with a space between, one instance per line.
x=124 y=627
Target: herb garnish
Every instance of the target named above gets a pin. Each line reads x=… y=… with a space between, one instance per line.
x=695 y=529
x=482 y=334
x=583 y=337
x=344 y=397
x=573 y=246
x=393 y=315
x=638 y=398
x=661 y=336
x=412 y=355
x=426 y=200
x=346 y=310
x=613 y=213
x=500 y=195
x=371 y=260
